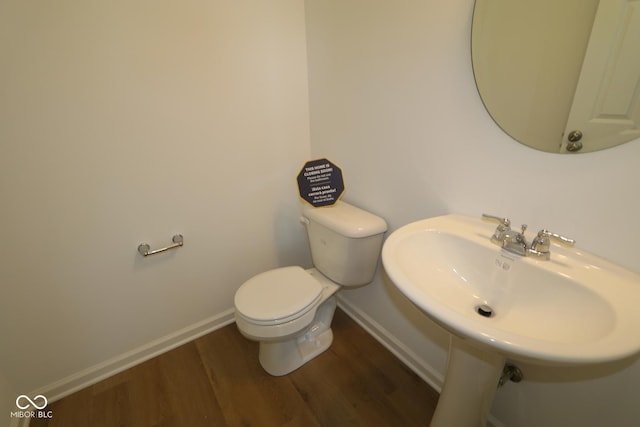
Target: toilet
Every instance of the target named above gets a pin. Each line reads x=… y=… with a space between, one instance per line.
x=289 y=310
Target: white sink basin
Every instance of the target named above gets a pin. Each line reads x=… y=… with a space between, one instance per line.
x=573 y=308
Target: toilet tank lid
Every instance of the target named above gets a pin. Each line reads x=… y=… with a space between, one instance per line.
x=346 y=219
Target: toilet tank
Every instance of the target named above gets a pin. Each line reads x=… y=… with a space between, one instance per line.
x=345 y=242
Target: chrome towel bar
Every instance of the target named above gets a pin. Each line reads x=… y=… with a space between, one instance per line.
x=145 y=249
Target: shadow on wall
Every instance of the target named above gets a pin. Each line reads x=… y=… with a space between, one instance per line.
x=294 y=250
x=431 y=331
x=565 y=374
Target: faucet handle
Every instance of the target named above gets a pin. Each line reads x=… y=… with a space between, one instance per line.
x=504 y=226
x=504 y=222
x=541 y=244
x=561 y=239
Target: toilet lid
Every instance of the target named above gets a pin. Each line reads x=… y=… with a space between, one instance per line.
x=278 y=295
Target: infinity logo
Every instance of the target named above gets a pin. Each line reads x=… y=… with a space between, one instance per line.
x=30 y=402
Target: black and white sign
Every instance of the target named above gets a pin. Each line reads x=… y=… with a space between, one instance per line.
x=320 y=182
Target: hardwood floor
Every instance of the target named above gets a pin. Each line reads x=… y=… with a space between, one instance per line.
x=217 y=380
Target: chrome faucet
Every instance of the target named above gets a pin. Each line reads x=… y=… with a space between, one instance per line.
x=516 y=242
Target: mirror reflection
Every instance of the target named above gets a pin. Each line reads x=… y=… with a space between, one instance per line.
x=560 y=75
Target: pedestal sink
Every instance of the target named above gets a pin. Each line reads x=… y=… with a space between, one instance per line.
x=575 y=308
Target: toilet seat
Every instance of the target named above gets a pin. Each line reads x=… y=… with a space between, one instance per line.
x=277 y=296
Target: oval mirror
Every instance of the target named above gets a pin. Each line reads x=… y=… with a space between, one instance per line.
x=560 y=75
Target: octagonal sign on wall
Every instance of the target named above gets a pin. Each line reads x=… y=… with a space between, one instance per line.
x=320 y=182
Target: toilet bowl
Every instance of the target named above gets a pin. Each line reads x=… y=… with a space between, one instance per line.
x=291 y=330
x=289 y=310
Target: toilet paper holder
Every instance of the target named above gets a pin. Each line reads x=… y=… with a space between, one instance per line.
x=145 y=250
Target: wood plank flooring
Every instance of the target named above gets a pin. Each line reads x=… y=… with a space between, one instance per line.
x=217 y=380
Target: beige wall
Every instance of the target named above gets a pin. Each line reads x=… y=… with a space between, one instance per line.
x=126 y=122
x=393 y=102
x=8 y=396
x=130 y=121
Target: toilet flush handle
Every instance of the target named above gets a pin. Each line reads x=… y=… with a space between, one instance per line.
x=304 y=220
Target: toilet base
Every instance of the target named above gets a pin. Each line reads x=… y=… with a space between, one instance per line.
x=282 y=357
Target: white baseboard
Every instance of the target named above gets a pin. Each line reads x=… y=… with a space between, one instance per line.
x=414 y=362
x=417 y=364
x=87 y=377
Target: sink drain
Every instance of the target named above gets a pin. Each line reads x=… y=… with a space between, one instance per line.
x=484 y=310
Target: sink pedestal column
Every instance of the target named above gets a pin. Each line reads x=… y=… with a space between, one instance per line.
x=469 y=385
